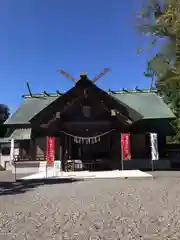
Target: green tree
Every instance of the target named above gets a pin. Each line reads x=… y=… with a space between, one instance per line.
x=4 y=114
x=160 y=19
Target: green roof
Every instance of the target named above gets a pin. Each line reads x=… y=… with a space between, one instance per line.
x=4 y=140
x=148 y=104
x=29 y=108
x=21 y=134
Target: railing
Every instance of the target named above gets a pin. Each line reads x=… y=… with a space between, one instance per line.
x=69 y=165
x=28 y=158
x=79 y=165
x=73 y=165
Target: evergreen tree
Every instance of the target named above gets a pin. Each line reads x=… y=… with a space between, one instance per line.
x=4 y=114
x=161 y=20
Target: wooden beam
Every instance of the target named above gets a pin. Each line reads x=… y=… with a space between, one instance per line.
x=94 y=80
x=46 y=94
x=70 y=104
x=118 y=115
x=125 y=90
x=123 y=118
x=86 y=123
x=58 y=92
x=66 y=75
x=46 y=125
x=29 y=89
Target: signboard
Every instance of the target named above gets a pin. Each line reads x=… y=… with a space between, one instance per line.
x=50 y=151
x=125 y=146
x=57 y=165
x=154 y=146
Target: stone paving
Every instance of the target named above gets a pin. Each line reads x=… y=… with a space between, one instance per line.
x=91 y=209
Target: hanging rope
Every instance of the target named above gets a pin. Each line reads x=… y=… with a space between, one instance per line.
x=100 y=135
x=87 y=140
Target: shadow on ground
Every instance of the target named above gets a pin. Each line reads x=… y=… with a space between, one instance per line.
x=22 y=186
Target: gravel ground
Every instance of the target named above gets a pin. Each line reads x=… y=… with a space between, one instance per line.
x=8 y=176
x=169 y=174
x=92 y=209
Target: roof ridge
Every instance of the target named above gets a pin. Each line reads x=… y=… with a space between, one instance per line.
x=136 y=90
x=41 y=95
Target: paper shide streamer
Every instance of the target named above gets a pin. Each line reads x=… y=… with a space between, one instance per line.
x=87 y=140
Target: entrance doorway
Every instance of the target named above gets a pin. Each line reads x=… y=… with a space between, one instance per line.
x=88 y=156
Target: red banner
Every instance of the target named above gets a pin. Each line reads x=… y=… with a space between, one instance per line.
x=125 y=146
x=50 y=150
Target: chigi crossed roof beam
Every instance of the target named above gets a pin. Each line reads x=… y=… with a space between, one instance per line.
x=83 y=74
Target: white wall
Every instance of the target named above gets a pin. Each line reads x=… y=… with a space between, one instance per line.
x=4 y=159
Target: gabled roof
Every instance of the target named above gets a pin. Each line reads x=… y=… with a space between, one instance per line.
x=21 y=134
x=29 y=108
x=4 y=140
x=79 y=91
x=146 y=103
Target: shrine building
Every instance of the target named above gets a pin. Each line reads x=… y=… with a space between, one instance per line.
x=85 y=124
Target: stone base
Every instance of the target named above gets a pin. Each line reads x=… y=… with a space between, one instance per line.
x=146 y=164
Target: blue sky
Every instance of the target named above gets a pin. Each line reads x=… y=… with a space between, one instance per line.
x=40 y=36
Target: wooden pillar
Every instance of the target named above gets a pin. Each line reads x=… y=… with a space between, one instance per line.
x=162 y=145
x=64 y=152
x=116 y=150
x=32 y=149
x=70 y=148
